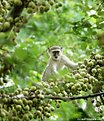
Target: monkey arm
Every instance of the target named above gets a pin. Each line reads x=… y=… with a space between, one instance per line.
x=69 y=63
x=46 y=74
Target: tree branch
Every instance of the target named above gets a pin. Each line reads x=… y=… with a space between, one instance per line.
x=75 y=98
x=57 y=97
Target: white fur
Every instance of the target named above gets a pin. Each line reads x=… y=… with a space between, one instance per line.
x=54 y=65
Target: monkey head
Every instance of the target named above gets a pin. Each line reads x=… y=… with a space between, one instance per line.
x=55 y=52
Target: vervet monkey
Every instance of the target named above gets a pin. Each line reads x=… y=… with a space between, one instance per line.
x=56 y=62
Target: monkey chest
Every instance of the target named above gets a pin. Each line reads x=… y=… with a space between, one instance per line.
x=58 y=66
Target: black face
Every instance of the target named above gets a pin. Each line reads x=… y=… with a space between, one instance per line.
x=56 y=54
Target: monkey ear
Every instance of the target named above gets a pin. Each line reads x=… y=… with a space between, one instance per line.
x=48 y=49
x=61 y=48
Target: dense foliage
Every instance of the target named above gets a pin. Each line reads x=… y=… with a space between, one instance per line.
x=27 y=29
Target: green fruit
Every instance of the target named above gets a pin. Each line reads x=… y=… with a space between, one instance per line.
x=64 y=93
x=46 y=109
x=40 y=108
x=58 y=105
x=85 y=61
x=88 y=75
x=93 y=70
x=25 y=102
x=38 y=112
x=20 y=102
x=98 y=104
x=91 y=78
x=52 y=84
x=26 y=117
x=99 y=70
x=100 y=62
x=83 y=74
x=85 y=80
x=14 y=111
x=35 y=100
x=17 y=19
x=1 y=82
x=89 y=86
x=15 y=118
x=97 y=67
x=5 y=100
x=31 y=5
x=30 y=115
x=59 y=4
x=98 y=56
x=82 y=70
x=90 y=64
x=81 y=83
x=82 y=66
x=84 y=87
x=52 y=108
x=18 y=24
x=27 y=108
x=10 y=19
x=4 y=3
x=51 y=2
x=33 y=88
x=37 y=92
x=17 y=2
x=30 y=102
x=46 y=8
x=78 y=76
x=25 y=93
x=73 y=88
x=6 y=25
x=42 y=8
x=56 y=6
x=16 y=92
x=47 y=114
x=70 y=85
x=29 y=10
x=94 y=61
x=18 y=107
x=67 y=85
x=77 y=85
x=1 y=19
x=40 y=96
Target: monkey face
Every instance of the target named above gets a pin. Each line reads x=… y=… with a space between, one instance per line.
x=56 y=54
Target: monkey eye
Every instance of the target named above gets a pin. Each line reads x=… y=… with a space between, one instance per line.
x=55 y=52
